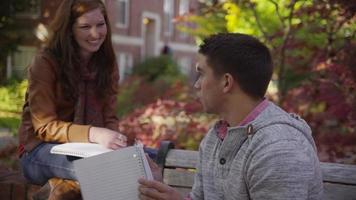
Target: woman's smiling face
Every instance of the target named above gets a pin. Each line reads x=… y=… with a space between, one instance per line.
x=89 y=32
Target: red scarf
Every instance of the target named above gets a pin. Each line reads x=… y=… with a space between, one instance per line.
x=88 y=109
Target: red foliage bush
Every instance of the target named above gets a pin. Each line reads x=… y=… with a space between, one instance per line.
x=179 y=122
x=175 y=115
x=328 y=102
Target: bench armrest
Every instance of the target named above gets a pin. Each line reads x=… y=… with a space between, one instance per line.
x=164 y=147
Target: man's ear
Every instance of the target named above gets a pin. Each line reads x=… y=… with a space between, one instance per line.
x=228 y=82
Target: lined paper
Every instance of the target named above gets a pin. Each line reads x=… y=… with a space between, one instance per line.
x=79 y=149
x=113 y=175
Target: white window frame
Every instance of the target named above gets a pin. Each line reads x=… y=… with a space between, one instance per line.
x=184 y=7
x=118 y=23
x=168 y=12
x=125 y=64
x=185 y=64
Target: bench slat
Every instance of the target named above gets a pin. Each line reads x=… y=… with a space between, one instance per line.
x=182 y=178
x=181 y=158
x=332 y=172
x=337 y=191
x=339 y=173
x=183 y=191
x=183 y=181
x=331 y=191
x=339 y=179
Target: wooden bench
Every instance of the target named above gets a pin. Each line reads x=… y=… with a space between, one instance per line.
x=179 y=169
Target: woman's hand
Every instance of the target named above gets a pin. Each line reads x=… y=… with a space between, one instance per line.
x=108 y=138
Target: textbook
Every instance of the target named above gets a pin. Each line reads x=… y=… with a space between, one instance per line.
x=110 y=174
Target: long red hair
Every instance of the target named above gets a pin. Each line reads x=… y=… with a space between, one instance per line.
x=64 y=48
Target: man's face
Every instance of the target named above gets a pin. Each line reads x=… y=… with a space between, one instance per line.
x=209 y=86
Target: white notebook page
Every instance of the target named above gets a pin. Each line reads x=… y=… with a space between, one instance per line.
x=79 y=149
x=113 y=175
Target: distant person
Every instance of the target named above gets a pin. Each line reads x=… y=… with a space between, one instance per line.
x=166 y=50
x=257 y=150
x=71 y=95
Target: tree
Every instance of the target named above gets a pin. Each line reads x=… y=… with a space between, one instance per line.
x=292 y=29
x=210 y=20
x=313 y=45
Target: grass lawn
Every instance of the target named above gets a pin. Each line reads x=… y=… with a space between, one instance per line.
x=10 y=121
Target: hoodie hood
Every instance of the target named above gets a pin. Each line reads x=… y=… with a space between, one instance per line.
x=274 y=115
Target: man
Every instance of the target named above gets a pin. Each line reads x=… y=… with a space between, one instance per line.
x=257 y=150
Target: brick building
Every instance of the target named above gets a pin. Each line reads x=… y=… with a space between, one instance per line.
x=140 y=29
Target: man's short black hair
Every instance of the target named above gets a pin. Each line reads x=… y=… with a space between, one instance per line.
x=244 y=57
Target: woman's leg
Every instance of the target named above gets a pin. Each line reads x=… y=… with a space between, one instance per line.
x=39 y=165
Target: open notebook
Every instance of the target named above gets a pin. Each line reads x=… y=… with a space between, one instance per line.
x=112 y=175
x=82 y=150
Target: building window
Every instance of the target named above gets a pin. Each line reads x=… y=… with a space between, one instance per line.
x=183 y=10
x=168 y=9
x=122 y=14
x=32 y=9
x=125 y=62
x=185 y=64
x=21 y=59
x=183 y=7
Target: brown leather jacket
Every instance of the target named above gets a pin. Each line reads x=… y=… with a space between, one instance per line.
x=47 y=116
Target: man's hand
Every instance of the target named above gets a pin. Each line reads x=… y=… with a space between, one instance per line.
x=108 y=138
x=156 y=170
x=151 y=190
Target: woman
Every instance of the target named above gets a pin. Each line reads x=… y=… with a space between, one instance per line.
x=72 y=91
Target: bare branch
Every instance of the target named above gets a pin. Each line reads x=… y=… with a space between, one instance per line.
x=286 y=37
x=291 y=14
x=335 y=26
x=278 y=13
x=259 y=25
x=332 y=27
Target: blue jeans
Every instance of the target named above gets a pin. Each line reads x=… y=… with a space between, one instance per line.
x=39 y=165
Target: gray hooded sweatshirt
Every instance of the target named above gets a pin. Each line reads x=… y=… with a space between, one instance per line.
x=272 y=157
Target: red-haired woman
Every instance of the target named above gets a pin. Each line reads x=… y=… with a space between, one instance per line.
x=72 y=91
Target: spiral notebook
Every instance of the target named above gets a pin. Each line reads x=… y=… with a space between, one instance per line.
x=112 y=175
x=82 y=150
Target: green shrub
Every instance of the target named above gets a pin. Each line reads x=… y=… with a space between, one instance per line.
x=150 y=80
x=158 y=68
x=11 y=123
x=125 y=97
x=12 y=96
